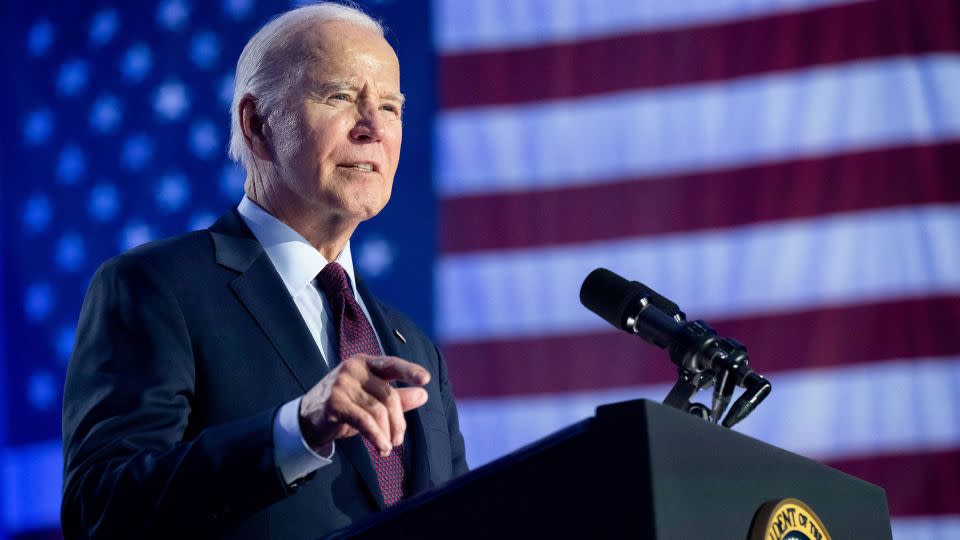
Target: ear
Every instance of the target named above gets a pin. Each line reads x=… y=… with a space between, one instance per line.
x=255 y=128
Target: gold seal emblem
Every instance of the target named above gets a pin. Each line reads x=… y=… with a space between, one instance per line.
x=787 y=519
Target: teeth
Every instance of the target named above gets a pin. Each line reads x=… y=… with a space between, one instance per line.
x=364 y=167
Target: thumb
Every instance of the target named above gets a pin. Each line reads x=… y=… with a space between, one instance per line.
x=411 y=398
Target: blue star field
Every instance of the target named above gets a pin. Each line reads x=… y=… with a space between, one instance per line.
x=119 y=137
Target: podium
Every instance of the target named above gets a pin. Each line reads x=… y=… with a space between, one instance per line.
x=636 y=469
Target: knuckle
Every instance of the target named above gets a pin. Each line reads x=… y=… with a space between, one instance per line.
x=384 y=391
x=393 y=400
x=380 y=412
x=339 y=384
x=371 y=425
x=335 y=402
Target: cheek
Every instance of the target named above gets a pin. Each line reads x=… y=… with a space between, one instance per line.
x=288 y=136
x=393 y=149
x=319 y=134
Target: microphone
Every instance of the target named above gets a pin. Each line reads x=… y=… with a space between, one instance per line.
x=694 y=347
x=613 y=298
x=631 y=306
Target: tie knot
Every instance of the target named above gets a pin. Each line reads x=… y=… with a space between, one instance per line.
x=333 y=279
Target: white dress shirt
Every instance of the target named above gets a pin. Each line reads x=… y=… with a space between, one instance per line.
x=298 y=264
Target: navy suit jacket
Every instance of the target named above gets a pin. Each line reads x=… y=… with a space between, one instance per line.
x=185 y=350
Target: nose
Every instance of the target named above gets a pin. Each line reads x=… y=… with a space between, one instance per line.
x=369 y=126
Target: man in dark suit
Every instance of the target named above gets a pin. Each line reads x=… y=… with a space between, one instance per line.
x=242 y=382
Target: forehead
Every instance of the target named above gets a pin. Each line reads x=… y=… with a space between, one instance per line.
x=340 y=50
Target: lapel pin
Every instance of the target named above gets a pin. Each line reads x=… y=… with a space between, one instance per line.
x=399 y=335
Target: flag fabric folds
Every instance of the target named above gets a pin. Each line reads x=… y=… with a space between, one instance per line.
x=786 y=171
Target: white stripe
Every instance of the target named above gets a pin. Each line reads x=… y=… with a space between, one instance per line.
x=891 y=407
x=467 y=25
x=787 y=265
x=768 y=118
x=31 y=484
x=926 y=528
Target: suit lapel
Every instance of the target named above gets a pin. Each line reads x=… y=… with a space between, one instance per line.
x=355 y=452
x=262 y=292
x=416 y=452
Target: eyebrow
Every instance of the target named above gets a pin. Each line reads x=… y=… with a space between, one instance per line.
x=332 y=87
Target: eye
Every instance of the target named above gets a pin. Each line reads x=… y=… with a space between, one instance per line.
x=341 y=97
x=390 y=108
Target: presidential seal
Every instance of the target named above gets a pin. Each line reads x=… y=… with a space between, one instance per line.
x=787 y=519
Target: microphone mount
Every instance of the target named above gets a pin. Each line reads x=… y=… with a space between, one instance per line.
x=703 y=358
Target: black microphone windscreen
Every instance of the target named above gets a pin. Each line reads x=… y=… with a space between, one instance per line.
x=609 y=295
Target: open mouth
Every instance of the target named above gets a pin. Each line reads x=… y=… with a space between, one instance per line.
x=365 y=167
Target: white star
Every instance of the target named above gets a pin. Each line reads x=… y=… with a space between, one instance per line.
x=38 y=126
x=40 y=37
x=37 y=212
x=41 y=390
x=232 y=177
x=172 y=191
x=71 y=164
x=135 y=234
x=173 y=13
x=105 y=114
x=225 y=91
x=38 y=301
x=137 y=151
x=103 y=27
x=375 y=256
x=238 y=9
x=201 y=220
x=171 y=101
x=204 y=49
x=136 y=62
x=63 y=342
x=204 y=141
x=70 y=252
x=72 y=77
x=104 y=202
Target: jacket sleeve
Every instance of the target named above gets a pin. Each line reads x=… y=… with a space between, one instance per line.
x=457 y=449
x=130 y=471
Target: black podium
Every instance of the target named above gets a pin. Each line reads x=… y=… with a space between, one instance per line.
x=637 y=469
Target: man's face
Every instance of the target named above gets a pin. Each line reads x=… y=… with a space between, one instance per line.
x=338 y=142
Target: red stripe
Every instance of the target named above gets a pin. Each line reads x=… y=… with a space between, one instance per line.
x=704 y=53
x=829 y=337
x=634 y=208
x=916 y=484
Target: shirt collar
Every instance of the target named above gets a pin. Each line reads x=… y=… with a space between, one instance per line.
x=295 y=259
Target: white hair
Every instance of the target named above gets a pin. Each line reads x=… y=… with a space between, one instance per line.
x=266 y=69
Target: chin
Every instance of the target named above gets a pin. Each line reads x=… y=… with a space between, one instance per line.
x=361 y=211
x=354 y=204
x=371 y=212
x=368 y=205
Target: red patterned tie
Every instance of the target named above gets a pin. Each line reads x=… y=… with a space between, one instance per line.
x=356 y=336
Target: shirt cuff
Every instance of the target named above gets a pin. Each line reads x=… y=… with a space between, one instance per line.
x=292 y=454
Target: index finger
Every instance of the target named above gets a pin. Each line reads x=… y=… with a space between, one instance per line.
x=392 y=368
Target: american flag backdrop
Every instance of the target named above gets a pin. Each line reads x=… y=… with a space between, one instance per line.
x=788 y=170
x=785 y=169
